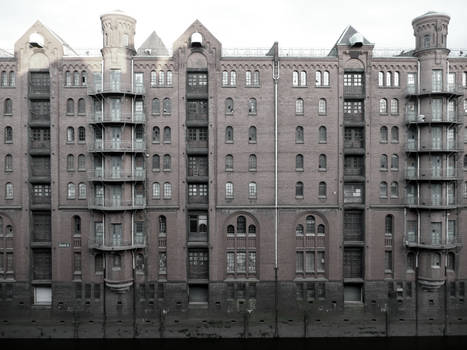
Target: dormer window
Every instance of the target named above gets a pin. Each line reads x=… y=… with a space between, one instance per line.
x=196 y=40
x=36 y=40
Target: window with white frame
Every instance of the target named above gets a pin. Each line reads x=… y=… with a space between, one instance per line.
x=71 y=191
x=156 y=190
x=229 y=190
x=167 y=190
x=252 y=190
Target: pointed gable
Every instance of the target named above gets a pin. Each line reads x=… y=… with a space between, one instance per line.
x=153 y=46
x=347 y=38
x=209 y=41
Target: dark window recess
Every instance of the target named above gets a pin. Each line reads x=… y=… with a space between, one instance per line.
x=198 y=264
x=41 y=227
x=40 y=166
x=197 y=110
x=40 y=110
x=353 y=226
x=39 y=84
x=198 y=293
x=353 y=85
x=197 y=166
x=353 y=138
x=354 y=166
x=40 y=138
x=197 y=84
x=197 y=137
x=42 y=264
x=353 y=263
x=198 y=227
x=353 y=193
x=353 y=111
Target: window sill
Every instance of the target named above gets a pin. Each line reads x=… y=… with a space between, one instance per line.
x=167 y=142
x=299 y=114
x=229 y=86
x=251 y=142
x=166 y=170
x=322 y=170
x=8 y=114
x=322 y=114
x=322 y=142
x=229 y=170
x=383 y=169
x=385 y=114
x=394 y=169
x=383 y=142
x=229 y=142
x=299 y=142
x=298 y=197
x=394 y=142
x=156 y=114
x=252 y=114
x=300 y=86
x=323 y=86
x=252 y=170
x=299 y=169
x=156 y=170
x=253 y=86
x=229 y=113
x=70 y=142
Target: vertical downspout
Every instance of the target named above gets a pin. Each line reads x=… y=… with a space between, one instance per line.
x=416 y=293
x=275 y=77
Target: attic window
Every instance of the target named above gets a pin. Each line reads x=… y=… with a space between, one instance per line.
x=356 y=40
x=36 y=40
x=147 y=52
x=196 y=40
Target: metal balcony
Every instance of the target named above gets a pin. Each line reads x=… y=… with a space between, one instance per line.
x=117 y=89
x=138 y=242
x=39 y=91
x=354 y=91
x=138 y=203
x=450 y=90
x=430 y=204
x=450 y=147
x=411 y=241
x=432 y=174
x=420 y=119
x=117 y=176
x=117 y=146
x=116 y=118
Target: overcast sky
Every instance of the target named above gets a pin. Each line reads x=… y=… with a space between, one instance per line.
x=236 y=23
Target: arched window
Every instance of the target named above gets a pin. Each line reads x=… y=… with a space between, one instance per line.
x=161 y=78
x=395 y=134
x=156 y=162
x=162 y=224
x=299 y=136
x=230 y=230
x=256 y=78
x=8 y=190
x=310 y=224
x=76 y=225
x=156 y=190
x=71 y=192
x=394 y=189
x=169 y=78
x=225 y=78
x=70 y=106
x=323 y=138
x=384 y=162
x=322 y=192
x=321 y=229
x=294 y=78
x=4 y=79
x=81 y=134
x=167 y=106
x=322 y=162
x=252 y=230
x=383 y=189
x=81 y=162
x=302 y=78
x=84 y=78
x=388 y=78
x=299 y=230
x=411 y=261
x=252 y=190
x=67 y=78
x=252 y=106
x=383 y=106
x=229 y=190
x=75 y=78
x=394 y=106
x=229 y=134
x=167 y=190
x=380 y=78
x=322 y=107
x=153 y=78
x=389 y=225
x=81 y=106
x=248 y=78
x=155 y=106
x=229 y=106
x=8 y=134
x=8 y=163
x=228 y=162
x=167 y=162
x=82 y=190
x=241 y=224
x=167 y=135
x=299 y=109
x=299 y=162
x=70 y=134
x=299 y=189
x=383 y=134
x=396 y=79
x=252 y=162
x=451 y=263
x=394 y=162
x=318 y=78
x=70 y=162
x=233 y=78
x=326 y=80
x=252 y=134
x=8 y=107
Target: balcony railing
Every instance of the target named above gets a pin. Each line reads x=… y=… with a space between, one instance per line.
x=353 y=118
x=113 y=175
x=354 y=91
x=414 y=118
x=115 y=204
x=115 y=245
x=412 y=146
x=116 y=88
x=431 y=203
x=40 y=117
x=450 y=89
x=412 y=241
x=39 y=91
x=432 y=174
x=117 y=146
x=99 y=117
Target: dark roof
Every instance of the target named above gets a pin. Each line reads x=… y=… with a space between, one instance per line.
x=155 y=45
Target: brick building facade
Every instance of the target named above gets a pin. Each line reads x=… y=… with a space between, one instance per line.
x=208 y=192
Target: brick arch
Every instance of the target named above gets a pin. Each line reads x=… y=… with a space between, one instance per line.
x=354 y=63
x=301 y=218
x=232 y=220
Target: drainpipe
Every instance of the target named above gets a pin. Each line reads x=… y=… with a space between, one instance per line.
x=275 y=77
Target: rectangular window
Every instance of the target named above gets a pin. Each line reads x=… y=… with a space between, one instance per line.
x=436 y=80
x=241 y=262
x=230 y=262
x=321 y=262
x=436 y=233
x=451 y=231
x=388 y=261
x=436 y=109
x=309 y=261
x=299 y=262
